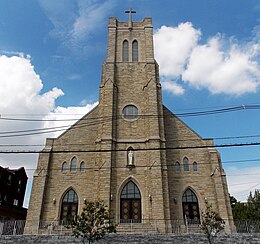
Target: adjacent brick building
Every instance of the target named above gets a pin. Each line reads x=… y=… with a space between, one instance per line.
x=12 y=189
x=130 y=151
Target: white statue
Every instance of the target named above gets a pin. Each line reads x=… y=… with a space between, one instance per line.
x=130 y=157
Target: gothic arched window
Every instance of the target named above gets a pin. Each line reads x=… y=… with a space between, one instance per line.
x=186 y=166
x=64 y=167
x=190 y=207
x=82 y=166
x=135 y=51
x=125 y=51
x=69 y=207
x=73 y=164
x=177 y=167
x=195 y=166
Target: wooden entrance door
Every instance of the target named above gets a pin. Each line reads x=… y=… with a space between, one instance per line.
x=191 y=211
x=130 y=204
x=130 y=210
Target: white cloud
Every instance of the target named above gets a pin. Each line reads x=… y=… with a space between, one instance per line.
x=173 y=87
x=231 y=71
x=21 y=97
x=91 y=15
x=21 y=86
x=74 y=22
x=173 y=46
x=220 y=65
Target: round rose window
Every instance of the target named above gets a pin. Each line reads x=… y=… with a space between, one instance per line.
x=130 y=112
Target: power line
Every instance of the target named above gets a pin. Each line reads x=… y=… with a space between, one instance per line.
x=181 y=140
x=189 y=114
x=106 y=119
x=137 y=149
x=173 y=165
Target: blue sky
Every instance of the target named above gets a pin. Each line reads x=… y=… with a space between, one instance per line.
x=51 y=53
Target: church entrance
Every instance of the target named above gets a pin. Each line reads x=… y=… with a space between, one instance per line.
x=130 y=202
x=190 y=207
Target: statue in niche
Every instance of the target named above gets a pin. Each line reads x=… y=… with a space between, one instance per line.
x=130 y=157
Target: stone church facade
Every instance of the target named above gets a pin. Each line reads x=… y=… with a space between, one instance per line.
x=130 y=151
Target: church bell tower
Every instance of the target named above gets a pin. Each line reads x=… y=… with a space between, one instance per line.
x=130 y=94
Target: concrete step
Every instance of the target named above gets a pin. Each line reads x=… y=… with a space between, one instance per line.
x=135 y=228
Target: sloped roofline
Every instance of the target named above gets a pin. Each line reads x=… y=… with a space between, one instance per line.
x=83 y=117
x=175 y=116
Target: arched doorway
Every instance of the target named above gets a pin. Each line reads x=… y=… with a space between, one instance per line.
x=190 y=207
x=130 y=202
x=69 y=207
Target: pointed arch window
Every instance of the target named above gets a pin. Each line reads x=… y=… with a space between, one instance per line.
x=64 y=167
x=73 y=164
x=135 y=51
x=190 y=207
x=177 y=167
x=186 y=166
x=82 y=166
x=195 y=166
x=125 y=51
x=69 y=207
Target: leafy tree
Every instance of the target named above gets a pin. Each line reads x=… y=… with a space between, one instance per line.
x=249 y=210
x=93 y=223
x=253 y=204
x=211 y=223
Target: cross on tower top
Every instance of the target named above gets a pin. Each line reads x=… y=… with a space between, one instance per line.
x=130 y=12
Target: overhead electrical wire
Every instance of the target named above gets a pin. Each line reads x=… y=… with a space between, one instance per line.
x=187 y=114
x=106 y=119
x=137 y=149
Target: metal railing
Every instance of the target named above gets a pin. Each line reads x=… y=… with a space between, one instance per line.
x=17 y=227
x=247 y=226
x=12 y=227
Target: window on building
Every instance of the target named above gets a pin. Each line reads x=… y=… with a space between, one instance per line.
x=130 y=112
x=19 y=187
x=125 y=51
x=177 y=167
x=135 y=51
x=73 y=164
x=69 y=207
x=64 y=167
x=186 y=166
x=15 y=202
x=82 y=167
x=195 y=166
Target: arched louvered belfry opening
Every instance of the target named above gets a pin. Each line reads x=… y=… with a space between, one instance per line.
x=130 y=202
x=190 y=207
x=69 y=206
x=135 y=51
x=125 y=51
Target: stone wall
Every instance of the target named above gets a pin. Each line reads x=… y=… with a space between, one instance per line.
x=156 y=238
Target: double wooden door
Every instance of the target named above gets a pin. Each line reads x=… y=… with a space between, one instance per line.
x=191 y=212
x=130 y=210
